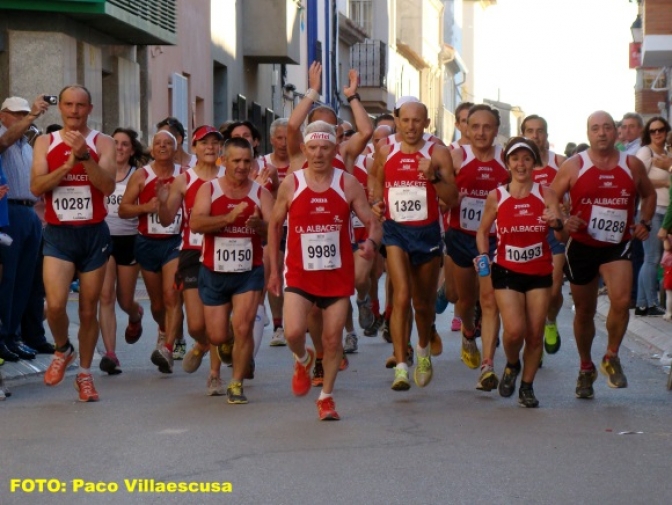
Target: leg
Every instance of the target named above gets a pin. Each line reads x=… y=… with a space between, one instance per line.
x=512 y=308
x=585 y=305
x=465 y=284
x=172 y=303
x=618 y=278
x=556 y=291
x=489 y=319
x=423 y=280
x=90 y=286
x=108 y=300
x=127 y=280
x=154 y=284
x=536 y=308
x=245 y=307
x=57 y=275
x=333 y=322
x=195 y=317
x=399 y=274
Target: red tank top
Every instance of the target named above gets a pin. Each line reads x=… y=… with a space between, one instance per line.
x=282 y=171
x=75 y=201
x=191 y=240
x=475 y=180
x=545 y=175
x=149 y=225
x=522 y=244
x=606 y=201
x=236 y=248
x=318 y=256
x=409 y=198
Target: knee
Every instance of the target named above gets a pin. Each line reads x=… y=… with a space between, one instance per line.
x=402 y=298
x=108 y=298
x=170 y=298
x=87 y=312
x=332 y=344
x=242 y=330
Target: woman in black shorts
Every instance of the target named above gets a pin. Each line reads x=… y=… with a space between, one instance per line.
x=522 y=267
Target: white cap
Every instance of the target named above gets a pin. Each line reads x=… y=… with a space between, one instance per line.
x=15 y=104
x=405 y=99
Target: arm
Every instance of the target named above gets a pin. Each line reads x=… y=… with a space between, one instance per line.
x=441 y=174
x=129 y=206
x=358 y=141
x=361 y=207
x=16 y=131
x=489 y=216
x=376 y=178
x=102 y=173
x=278 y=216
x=170 y=198
x=300 y=112
x=41 y=180
x=260 y=222
x=667 y=221
x=201 y=221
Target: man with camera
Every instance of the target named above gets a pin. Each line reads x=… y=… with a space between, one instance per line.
x=74 y=169
x=20 y=259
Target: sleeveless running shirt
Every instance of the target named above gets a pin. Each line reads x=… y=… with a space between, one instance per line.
x=318 y=256
x=409 y=198
x=475 y=180
x=75 y=201
x=522 y=244
x=149 y=225
x=191 y=240
x=235 y=248
x=545 y=175
x=282 y=171
x=117 y=225
x=606 y=201
x=360 y=173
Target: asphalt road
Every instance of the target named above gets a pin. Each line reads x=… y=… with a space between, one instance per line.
x=446 y=443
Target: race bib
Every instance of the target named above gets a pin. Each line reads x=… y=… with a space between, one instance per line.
x=114 y=200
x=408 y=203
x=471 y=213
x=72 y=203
x=607 y=225
x=156 y=228
x=233 y=255
x=195 y=239
x=523 y=254
x=321 y=251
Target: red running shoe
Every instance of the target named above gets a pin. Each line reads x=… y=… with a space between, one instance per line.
x=87 y=391
x=326 y=409
x=134 y=330
x=301 y=381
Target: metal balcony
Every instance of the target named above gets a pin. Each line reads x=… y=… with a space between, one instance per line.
x=369 y=58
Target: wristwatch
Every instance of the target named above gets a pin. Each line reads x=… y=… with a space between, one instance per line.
x=646 y=224
x=85 y=157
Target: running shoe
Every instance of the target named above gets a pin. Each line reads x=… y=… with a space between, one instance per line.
x=318 y=374
x=401 y=382
x=110 y=363
x=441 y=301
x=326 y=409
x=655 y=311
x=215 y=386
x=2 y=361
x=527 y=399
x=391 y=362
x=641 y=311
x=471 y=356
x=134 y=329
x=488 y=379
x=385 y=331
x=422 y=375
x=344 y=364
x=584 y=384
x=301 y=379
x=435 y=343
x=456 y=324
x=4 y=390
x=278 y=338
x=611 y=367
x=225 y=352
x=179 y=350
x=234 y=393
x=59 y=363
x=366 y=317
x=192 y=360
x=163 y=359
x=372 y=330
x=87 y=391
x=508 y=385
x=552 y=338
x=350 y=345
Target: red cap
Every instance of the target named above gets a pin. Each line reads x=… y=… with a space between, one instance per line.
x=202 y=131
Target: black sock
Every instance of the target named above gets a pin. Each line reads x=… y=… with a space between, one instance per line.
x=514 y=367
x=525 y=385
x=66 y=347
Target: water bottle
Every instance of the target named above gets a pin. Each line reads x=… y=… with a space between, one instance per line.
x=483 y=265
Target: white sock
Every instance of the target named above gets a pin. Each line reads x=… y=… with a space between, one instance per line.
x=422 y=353
x=85 y=371
x=402 y=366
x=258 y=329
x=302 y=360
x=324 y=395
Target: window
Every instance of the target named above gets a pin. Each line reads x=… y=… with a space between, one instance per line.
x=361 y=13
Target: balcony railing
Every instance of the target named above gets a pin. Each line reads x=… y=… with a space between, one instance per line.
x=370 y=60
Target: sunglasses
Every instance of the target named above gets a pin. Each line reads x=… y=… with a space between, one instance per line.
x=654 y=131
x=348 y=133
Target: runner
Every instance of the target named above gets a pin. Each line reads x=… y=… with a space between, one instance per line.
x=319 y=267
x=603 y=185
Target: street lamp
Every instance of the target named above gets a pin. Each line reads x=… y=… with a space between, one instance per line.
x=636 y=30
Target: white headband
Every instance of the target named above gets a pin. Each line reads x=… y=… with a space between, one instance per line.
x=518 y=145
x=320 y=136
